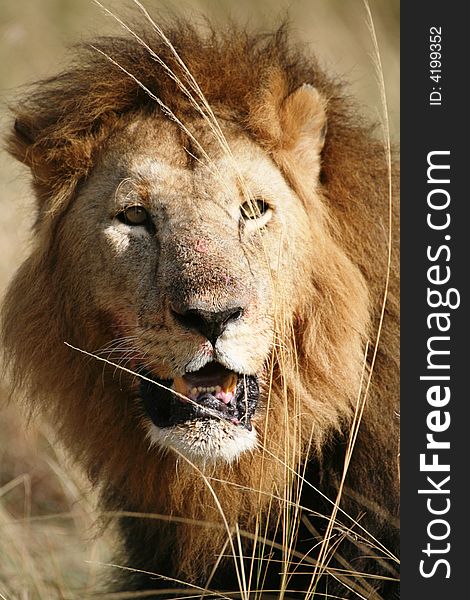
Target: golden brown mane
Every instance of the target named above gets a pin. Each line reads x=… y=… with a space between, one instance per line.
x=60 y=131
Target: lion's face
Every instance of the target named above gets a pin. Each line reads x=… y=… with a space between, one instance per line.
x=188 y=256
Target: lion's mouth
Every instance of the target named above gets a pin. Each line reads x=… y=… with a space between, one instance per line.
x=213 y=392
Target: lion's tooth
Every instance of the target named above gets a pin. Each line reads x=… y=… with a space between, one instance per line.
x=230 y=383
x=180 y=386
x=229 y=386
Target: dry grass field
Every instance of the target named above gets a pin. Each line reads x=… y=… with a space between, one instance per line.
x=49 y=546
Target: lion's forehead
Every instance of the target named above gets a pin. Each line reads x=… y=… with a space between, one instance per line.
x=203 y=163
x=184 y=145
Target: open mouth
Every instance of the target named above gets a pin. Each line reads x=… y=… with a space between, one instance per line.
x=213 y=392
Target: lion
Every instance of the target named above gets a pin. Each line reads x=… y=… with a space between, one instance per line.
x=200 y=312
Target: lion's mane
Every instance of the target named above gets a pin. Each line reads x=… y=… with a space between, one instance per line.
x=60 y=130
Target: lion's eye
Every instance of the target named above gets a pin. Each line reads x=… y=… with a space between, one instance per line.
x=134 y=215
x=254 y=209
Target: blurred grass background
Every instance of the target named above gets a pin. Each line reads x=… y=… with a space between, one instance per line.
x=48 y=543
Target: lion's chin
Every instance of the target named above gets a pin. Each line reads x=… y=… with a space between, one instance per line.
x=203 y=442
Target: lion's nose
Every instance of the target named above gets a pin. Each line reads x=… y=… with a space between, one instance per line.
x=210 y=324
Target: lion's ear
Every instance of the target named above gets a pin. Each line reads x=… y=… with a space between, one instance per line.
x=21 y=139
x=303 y=123
x=27 y=145
x=57 y=156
